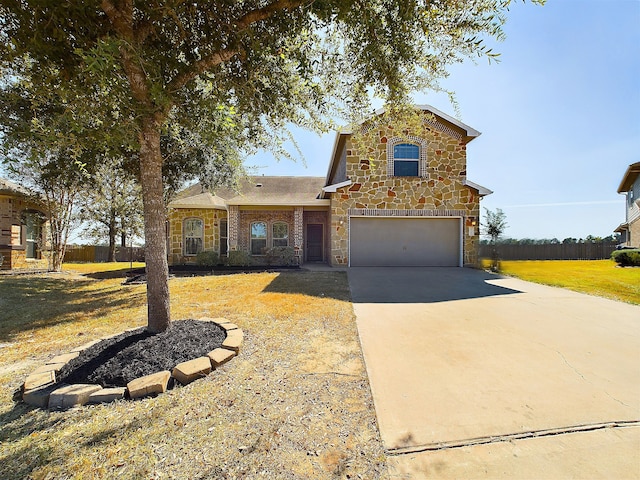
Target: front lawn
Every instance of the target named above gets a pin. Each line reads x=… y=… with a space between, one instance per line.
x=595 y=277
x=294 y=404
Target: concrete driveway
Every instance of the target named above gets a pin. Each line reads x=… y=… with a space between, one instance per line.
x=479 y=376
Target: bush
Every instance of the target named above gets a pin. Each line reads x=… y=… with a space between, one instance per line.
x=285 y=256
x=207 y=259
x=627 y=258
x=239 y=258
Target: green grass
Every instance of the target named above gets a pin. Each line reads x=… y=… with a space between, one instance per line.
x=294 y=404
x=595 y=277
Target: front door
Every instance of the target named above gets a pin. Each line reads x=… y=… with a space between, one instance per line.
x=314 y=242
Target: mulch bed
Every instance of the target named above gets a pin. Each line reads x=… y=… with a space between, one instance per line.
x=118 y=360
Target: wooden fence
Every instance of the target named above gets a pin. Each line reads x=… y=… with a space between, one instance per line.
x=93 y=253
x=559 y=251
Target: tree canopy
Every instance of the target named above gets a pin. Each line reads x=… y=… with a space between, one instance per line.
x=190 y=87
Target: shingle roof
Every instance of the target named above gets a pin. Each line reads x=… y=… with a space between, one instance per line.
x=7 y=186
x=274 y=191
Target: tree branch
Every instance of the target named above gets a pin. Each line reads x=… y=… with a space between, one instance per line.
x=222 y=55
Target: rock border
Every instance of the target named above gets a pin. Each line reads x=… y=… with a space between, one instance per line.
x=40 y=389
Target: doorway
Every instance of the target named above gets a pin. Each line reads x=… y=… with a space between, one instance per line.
x=315 y=240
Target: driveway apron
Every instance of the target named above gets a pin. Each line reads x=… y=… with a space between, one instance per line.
x=459 y=357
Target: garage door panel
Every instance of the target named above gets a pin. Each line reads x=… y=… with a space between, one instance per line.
x=404 y=241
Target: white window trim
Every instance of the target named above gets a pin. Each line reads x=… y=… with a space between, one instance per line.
x=251 y=238
x=184 y=236
x=273 y=237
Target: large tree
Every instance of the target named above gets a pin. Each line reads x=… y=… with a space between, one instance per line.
x=225 y=70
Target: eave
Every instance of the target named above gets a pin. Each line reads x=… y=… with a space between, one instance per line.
x=629 y=177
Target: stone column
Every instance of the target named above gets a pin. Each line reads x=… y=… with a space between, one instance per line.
x=298 y=231
x=233 y=226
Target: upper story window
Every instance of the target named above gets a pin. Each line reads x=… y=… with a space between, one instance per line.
x=193 y=236
x=406 y=160
x=258 y=238
x=280 y=234
x=407 y=157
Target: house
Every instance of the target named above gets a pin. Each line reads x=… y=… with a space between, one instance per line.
x=390 y=197
x=22 y=229
x=630 y=185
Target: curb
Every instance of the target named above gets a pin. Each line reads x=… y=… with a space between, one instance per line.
x=41 y=389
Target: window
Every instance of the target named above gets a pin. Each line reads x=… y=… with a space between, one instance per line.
x=406 y=160
x=193 y=236
x=224 y=237
x=258 y=238
x=32 y=227
x=280 y=237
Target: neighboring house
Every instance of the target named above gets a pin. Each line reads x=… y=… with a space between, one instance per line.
x=22 y=228
x=389 y=198
x=630 y=186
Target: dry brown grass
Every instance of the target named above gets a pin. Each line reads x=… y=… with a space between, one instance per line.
x=295 y=404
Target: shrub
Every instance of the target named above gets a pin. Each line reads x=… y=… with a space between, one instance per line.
x=280 y=256
x=207 y=259
x=627 y=258
x=239 y=258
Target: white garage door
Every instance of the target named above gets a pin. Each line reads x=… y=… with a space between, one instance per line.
x=419 y=242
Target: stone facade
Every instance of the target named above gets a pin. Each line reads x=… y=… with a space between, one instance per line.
x=13 y=239
x=362 y=182
x=439 y=190
x=211 y=241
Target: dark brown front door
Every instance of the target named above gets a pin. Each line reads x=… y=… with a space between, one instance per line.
x=314 y=242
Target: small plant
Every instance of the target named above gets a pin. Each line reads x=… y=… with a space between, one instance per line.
x=239 y=258
x=207 y=259
x=280 y=256
x=627 y=257
x=496 y=224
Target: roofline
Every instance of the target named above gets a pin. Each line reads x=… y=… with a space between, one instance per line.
x=196 y=205
x=629 y=177
x=315 y=203
x=482 y=191
x=471 y=132
x=336 y=186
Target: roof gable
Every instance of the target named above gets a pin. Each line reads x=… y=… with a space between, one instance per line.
x=441 y=121
x=629 y=177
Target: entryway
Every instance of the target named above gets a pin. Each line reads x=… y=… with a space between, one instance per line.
x=314 y=242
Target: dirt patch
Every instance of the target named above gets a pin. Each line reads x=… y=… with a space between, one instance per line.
x=116 y=361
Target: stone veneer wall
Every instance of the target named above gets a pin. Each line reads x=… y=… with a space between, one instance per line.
x=12 y=247
x=441 y=188
x=211 y=241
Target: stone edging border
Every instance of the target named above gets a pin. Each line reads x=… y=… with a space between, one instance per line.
x=40 y=389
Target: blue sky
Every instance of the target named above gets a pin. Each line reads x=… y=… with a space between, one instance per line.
x=559 y=116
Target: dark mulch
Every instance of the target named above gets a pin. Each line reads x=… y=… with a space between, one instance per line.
x=118 y=360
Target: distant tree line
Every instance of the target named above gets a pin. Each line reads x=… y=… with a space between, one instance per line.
x=551 y=241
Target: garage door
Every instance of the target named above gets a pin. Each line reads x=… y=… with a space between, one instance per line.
x=423 y=242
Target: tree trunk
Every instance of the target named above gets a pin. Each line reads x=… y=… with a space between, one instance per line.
x=157 y=269
x=112 y=238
